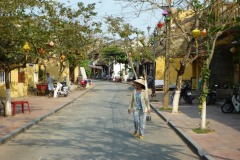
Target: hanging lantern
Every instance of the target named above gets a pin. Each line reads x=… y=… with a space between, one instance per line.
x=204 y=32
x=51 y=44
x=164 y=13
x=63 y=57
x=233 y=50
x=160 y=25
x=196 y=33
x=41 y=51
x=167 y=19
x=26 y=47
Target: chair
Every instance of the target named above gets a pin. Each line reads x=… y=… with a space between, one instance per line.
x=15 y=103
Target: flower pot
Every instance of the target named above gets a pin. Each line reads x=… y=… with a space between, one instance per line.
x=42 y=87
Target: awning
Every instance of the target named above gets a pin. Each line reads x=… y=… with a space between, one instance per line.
x=97 y=67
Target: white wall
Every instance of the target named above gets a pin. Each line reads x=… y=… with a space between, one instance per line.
x=117 y=68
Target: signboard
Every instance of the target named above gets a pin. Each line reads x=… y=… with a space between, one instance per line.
x=83 y=73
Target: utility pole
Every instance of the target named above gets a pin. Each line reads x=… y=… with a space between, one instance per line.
x=155 y=33
x=167 y=52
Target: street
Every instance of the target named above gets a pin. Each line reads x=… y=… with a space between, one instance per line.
x=97 y=126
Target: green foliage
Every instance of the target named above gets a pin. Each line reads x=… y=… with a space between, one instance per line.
x=40 y=22
x=85 y=63
x=202 y=131
x=113 y=53
x=197 y=4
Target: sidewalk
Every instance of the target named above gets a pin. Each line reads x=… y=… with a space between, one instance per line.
x=40 y=106
x=221 y=144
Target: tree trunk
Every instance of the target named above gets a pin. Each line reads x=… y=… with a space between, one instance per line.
x=131 y=63
x=204 y=108
x=8 y=106
x=176 y=98
x=166 y=71
x=62 y=67
x=205 y=82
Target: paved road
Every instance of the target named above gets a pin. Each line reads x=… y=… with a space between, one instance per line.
x=96 y=126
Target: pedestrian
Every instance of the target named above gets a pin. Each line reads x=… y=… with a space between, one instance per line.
x=50 y=82
x=140 y=107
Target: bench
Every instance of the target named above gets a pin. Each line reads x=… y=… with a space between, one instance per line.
x=15 y=103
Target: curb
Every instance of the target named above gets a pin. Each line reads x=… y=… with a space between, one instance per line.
x=37 y=120
x=195 y=147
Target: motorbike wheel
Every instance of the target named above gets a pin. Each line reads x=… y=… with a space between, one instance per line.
x=227 y=108
x=189 y=99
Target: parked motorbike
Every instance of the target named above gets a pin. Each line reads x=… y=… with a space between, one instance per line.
x=62 y=89
x=188 y=96
x=84 y=83
x=185 y=93
x=212 y=96
x=232 y=103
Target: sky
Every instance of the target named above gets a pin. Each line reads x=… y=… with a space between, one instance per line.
x=140 y=20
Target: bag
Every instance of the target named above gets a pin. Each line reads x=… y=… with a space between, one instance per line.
x=148 y=118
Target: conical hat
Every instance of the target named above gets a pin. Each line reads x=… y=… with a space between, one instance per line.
x=140 y=81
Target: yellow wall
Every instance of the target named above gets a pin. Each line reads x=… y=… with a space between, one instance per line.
x=53 y=67
x=21 y=89
x=76 y=74
x=160 y=64
x=17 y=89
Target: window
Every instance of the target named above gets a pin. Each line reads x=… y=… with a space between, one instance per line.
x=2 y=77
x=21 y=76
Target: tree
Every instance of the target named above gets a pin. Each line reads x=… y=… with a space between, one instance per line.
x=38 y=23
x=19 y=24
x=208 y=15
x=73 y=32
x=217 y=21
x=118 y=27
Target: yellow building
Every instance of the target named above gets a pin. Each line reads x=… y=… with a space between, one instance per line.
x=23 y=80
x=160 y=66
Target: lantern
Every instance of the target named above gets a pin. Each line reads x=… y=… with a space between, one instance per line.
x=196 y=33
x=26 y=47
x=233 y=50
x=51 y=44
x=164 y=13
x=159 y=25
x=41 y=51
x=204 y=32
x=167 y=19
x=63 y=57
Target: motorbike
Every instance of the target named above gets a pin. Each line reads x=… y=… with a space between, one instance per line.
x=61 y=89
x=188 y=96
x=84 y=83
x=186 y=92
x=232 y=103
x=211 y=96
